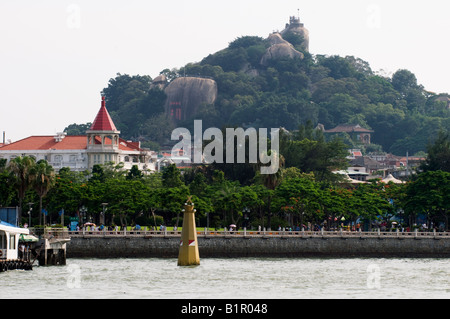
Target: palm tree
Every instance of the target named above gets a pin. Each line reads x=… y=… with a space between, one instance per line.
x=44 y=179
x=21 y=173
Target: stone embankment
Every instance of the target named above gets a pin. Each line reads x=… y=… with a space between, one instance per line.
x=261 y=244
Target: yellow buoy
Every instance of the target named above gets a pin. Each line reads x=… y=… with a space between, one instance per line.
x=188 y=254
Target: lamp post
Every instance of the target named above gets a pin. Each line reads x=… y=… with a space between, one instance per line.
x=83 y=211
x=103 y=213
x=244 y=212
x=29 y=213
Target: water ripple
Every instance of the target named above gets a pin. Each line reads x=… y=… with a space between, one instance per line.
x=255 y=278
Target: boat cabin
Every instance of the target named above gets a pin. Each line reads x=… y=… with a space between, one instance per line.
x=9 y=240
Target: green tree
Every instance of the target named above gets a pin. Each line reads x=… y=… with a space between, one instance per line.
x=98 y=174
x=44 y=180
x=299 y=198
x=334 y=202
x=404 y=81
x=438 y=157
x=369 y=202
x=21 y=171
x=429 y=193
x=134 y=173
x=7 y=191
x=198 y=186
x=173 y=199
x=314 y=155
x=69 y=192
x=339 y=67
x=171 y=177
x=77 y=129
x=227 y=199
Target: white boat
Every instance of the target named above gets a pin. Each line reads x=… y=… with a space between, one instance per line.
x=9 y=247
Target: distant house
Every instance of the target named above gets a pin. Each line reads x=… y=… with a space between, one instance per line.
x=444 y=98
x=100 y=145
x=357 y=133
x=370 y=165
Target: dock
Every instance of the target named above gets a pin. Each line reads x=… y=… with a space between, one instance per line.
x=50 y=250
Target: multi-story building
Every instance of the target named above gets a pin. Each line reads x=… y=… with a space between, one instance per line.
x=100 y=145
x=357 y=133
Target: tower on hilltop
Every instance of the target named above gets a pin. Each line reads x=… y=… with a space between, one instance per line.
x=296 y=27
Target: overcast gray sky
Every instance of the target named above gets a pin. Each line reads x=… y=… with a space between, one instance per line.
x=57 y=55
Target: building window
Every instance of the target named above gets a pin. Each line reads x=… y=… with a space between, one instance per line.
x=12 y=241
x=58 y=158
x=2 y=241
x=96 y=159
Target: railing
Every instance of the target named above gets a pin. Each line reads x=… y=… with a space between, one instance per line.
x=264 y=234
x=51 y=233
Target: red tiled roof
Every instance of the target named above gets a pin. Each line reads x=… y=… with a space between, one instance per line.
x=129 y=146
x=348 y=129
x=78 y=142
x=103 y=121
x=48 y=143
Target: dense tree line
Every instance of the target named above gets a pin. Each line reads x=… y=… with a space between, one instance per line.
x=295 y=195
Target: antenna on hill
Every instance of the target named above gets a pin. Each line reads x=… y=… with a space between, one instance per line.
x=298 y=11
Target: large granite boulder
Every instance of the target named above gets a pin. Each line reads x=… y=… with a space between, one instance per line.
x=186 y=94
x=279 y=51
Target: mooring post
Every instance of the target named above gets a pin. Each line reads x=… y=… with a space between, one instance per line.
x=188 y=254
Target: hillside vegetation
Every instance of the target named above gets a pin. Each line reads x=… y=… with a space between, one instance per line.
x=255 y=90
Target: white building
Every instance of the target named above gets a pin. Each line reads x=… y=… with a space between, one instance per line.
x=100 y=145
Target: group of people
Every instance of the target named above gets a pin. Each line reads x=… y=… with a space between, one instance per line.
x=93 y=227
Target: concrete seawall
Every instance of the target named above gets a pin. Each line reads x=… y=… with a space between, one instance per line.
x=221 y=247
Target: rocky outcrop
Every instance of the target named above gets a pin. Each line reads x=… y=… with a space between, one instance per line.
x=276 y=38
x=159 y=82
x=281 y=49
x=186 y=94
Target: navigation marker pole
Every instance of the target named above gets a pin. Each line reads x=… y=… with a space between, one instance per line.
x=188 y=254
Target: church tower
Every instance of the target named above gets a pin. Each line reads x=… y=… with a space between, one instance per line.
x=102 y=139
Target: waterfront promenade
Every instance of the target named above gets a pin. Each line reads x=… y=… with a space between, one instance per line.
x=279 y=244
x=263 y=234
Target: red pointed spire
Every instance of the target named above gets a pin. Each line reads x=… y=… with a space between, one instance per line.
x=103 y=121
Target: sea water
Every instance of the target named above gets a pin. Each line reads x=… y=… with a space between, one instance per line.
x=241 y=278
